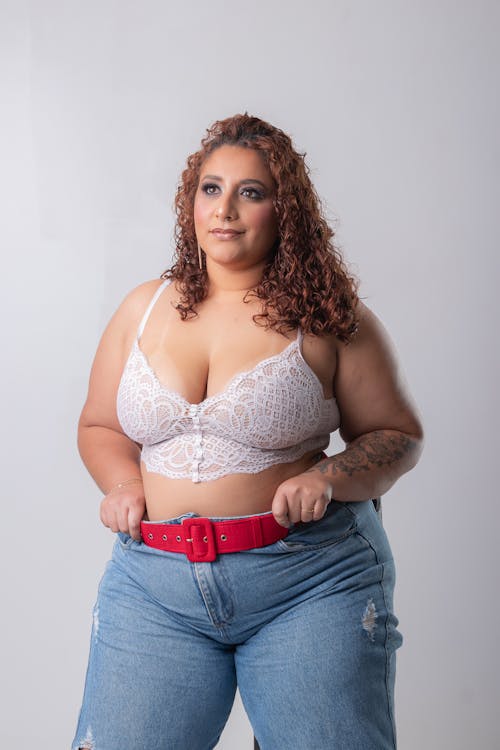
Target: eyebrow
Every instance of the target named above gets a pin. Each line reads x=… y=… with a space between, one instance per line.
x=242 y=182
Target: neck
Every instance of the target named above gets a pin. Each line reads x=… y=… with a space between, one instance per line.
x=224 y=283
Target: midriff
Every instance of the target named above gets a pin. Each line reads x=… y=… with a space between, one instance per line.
x=231 y=495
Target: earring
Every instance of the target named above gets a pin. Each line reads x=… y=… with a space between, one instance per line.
x=200 y=259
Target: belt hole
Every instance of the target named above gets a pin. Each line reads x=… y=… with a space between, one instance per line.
x=205 y=539
x=164 y=537
x=178 y=538
x=223 y=537
x=150 y=536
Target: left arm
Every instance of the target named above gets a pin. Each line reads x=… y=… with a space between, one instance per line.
x=379 y=423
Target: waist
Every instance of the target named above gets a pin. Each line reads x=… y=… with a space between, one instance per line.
x=203 y=539
x=207 y=457
x=231 y=495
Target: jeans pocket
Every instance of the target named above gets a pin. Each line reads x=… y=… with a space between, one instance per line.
x=338 y=523
x=125 y=540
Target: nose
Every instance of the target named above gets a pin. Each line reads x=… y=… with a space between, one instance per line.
x=225 y=209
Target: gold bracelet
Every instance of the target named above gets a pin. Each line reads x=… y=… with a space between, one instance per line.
x=124 y=484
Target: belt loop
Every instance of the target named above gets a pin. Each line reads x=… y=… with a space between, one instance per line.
x=257 y=531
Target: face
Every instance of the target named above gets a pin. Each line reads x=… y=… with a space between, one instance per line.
x=234 y=214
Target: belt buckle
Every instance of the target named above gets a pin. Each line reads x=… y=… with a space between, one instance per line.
x=205 y=541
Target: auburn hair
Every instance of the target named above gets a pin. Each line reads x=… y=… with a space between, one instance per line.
x=305 y=281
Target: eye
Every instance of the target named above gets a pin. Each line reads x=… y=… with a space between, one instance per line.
x=253 y=193
x=209 y=188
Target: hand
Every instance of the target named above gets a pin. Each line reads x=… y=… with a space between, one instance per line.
x=123 y=510
x=304 y=497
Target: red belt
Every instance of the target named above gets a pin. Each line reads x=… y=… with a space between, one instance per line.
x=202 y=539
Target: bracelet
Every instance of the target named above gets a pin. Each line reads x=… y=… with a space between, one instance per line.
x=124 y=484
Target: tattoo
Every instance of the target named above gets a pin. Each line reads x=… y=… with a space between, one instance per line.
x=373 y=450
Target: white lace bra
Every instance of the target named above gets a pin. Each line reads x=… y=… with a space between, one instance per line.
x=274 y=413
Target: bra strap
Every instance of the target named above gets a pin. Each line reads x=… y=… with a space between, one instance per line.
x=300 y=337
x=150 y=307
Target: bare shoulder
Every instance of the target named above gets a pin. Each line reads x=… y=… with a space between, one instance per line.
x=110 y=357
x=371 y=335
x=134 y=304
x=122 y=327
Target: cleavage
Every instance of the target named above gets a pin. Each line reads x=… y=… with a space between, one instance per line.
x=184 y=379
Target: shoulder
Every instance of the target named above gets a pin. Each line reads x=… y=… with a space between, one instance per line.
x=371 y=333
x=135 y=303
x=126 y=319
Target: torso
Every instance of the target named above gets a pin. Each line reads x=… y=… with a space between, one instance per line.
x=197 y=358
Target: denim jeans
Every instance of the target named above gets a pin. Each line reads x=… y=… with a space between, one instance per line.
x=304 y=627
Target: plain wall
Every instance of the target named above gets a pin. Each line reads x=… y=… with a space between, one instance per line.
x=396 y=105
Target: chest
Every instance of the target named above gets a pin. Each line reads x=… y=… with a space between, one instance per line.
x=199 y=356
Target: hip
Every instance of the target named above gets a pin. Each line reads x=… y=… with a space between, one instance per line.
x=345 y=554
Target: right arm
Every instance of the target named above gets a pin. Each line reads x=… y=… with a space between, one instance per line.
x=109 y=455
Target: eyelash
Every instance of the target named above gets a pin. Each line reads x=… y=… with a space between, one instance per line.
x=255 y=197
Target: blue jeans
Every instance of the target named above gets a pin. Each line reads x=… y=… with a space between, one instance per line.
x=304 y=627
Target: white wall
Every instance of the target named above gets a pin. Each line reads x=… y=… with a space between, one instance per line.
x=396 y=105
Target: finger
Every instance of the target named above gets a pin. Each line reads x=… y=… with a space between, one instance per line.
x=320 y=509
x=279 y=508
x=102 y=514
x=112 y=522
x=307 y=514
x=134 y=524
x=294 y=511
x=122 y=513
x=108 y=516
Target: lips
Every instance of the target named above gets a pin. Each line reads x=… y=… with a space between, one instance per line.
x=225 y=233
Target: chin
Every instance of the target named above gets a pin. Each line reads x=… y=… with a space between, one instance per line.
x=225 y=255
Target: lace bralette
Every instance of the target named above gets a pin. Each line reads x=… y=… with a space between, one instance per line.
x=274 y=413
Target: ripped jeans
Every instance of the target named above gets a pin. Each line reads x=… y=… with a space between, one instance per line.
x=304 y=627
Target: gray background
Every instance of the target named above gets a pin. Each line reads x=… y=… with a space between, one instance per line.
x=396 y=105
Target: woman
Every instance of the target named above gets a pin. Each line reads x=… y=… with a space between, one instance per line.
x=212 y=396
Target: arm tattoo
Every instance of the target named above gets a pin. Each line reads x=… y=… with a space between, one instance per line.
x=373 y=450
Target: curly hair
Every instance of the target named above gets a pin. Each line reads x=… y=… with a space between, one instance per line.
x=305 y=281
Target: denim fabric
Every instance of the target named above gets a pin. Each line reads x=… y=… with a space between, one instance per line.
x=305 y=627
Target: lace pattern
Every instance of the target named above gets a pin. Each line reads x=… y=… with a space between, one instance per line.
x=274 y=413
